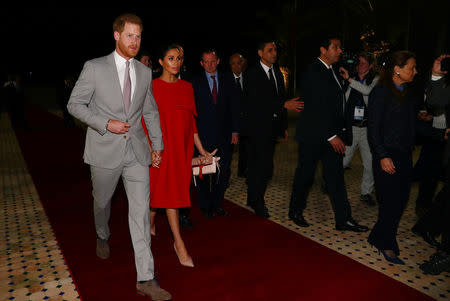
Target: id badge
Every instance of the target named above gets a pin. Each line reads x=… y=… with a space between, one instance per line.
x=359 y=113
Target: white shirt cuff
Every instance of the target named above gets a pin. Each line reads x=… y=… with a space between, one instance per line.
x=331 y=138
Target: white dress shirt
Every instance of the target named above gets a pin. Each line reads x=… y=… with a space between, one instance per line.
x=240 y=79
x=121 y=65
x=266 y=69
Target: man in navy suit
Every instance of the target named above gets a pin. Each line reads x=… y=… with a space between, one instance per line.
x=320 y=136
x=217 y=101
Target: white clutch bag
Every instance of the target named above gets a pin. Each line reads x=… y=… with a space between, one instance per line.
x=205 y=169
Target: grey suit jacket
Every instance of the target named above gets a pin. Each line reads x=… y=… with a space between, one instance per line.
x=97 y=97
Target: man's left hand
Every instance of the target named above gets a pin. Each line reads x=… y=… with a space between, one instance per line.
x=156 y=158
x=338 y=145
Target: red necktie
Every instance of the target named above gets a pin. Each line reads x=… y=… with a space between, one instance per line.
x=214 y=89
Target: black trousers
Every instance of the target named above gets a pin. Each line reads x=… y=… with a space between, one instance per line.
x=260 y=167
x=432 y=172
x=309 y=155
x=211 y=189
x=243 y=155
x=437 y=219
x=393 y=194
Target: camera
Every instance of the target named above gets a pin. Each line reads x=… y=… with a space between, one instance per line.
x=349 y=61
x=445 y=64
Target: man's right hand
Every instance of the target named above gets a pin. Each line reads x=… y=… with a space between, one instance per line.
x=387 y=165
x=118 y=127
x=338 y=145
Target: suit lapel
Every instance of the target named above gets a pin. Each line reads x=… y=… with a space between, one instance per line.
x=205 y=84
x=139 y=79
x=113 y=68
x=116 y=83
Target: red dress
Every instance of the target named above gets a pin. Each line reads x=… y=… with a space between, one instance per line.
x=169 y=184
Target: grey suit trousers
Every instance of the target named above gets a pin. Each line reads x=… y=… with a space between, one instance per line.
x=136 y=180
x=360 y=139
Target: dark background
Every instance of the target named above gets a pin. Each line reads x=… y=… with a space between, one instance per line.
x=46 y=40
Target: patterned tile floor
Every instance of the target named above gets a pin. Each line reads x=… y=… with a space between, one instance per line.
x=31 y=264
x=354 y=245
x=32 y=267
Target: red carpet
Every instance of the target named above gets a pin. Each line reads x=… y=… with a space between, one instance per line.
x=239 y=257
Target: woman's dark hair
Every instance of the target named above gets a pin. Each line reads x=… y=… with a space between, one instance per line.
x=398 y=58
x=165 y=48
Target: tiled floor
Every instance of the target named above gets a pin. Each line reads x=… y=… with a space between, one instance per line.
x=31 y=264
x=32 y=267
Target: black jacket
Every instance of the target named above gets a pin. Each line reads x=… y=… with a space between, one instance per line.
x=266 y=113
x=323 y=115
x=391 y=123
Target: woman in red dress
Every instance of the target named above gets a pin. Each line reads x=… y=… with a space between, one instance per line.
x=170 y=180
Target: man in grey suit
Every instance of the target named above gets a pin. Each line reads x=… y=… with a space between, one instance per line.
x=111 y=96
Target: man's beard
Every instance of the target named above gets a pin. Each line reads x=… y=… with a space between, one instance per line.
x=128 y=51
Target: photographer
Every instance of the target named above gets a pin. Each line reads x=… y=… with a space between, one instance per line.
x=357 y=97
x=437 y=220
x=437 y=99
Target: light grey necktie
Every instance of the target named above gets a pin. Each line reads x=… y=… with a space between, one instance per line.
x=127 y=88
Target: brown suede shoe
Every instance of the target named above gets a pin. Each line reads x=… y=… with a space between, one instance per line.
x=102 y=248
x=152 y=289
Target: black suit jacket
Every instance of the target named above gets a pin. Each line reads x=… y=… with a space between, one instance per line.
x=391 y=123
x=216 y=122
x=323 y=115
x=243 y=106
x=266 y=112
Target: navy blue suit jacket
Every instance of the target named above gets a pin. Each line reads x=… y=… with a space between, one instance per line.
x=216 y=122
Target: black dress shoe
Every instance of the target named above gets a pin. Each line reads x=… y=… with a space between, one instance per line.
x=261 y=211
x=221 y=212
x=208 y=213
x=185 y=222
x=298 y=219
x=351 y=225
x=438 y=263
x=427 y=236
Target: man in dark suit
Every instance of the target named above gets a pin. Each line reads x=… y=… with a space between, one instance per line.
x=267 y=121
x=237 y=65
x=320 y=135
x=216 y=98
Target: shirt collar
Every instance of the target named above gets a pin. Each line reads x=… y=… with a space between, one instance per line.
x=211 y=74
x=120 y=60
x=265 y=67
x=326 y=65
x=237 y=76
